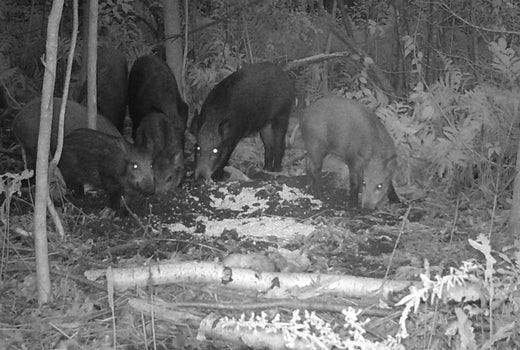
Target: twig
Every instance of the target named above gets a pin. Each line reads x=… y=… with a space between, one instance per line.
x=455 y=218
x=134 y=216
x=403 y=224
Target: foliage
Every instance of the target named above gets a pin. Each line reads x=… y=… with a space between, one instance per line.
x=505 y=62
x=10 y=184
x=309 y=331
x=358 y=86
x=463 y=136
x=117 y=21
x=469 y=295
x=270 y=32
x=369 y=13
x=17 y=44
x=455 y=130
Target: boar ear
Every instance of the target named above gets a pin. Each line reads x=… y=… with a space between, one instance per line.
x=362 y=158
x=196 y=123
x=224 y=129
x=122 y=143
x=391 y=163
x=149 y=144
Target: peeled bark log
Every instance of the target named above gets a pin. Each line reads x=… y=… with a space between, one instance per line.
x=269 y=284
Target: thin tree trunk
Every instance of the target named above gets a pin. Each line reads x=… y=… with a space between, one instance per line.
x=473 y=43
x=398 y=54
x=92 y=63
x=514 y=215
x=429 y=43
x=82 y=78
x=173 y=48
x=53 y=166
x=347 y=22
x=325 y=73
x=70 y=59
x=193 y=24
x=44 y=137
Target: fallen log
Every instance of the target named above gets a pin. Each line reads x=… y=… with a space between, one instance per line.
x=269 y=284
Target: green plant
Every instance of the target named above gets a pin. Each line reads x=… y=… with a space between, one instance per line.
x=10 y=184
x=118 y=21
x=469 y=295
x=458 y=136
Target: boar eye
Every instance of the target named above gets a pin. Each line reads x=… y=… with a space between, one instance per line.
x=197 y=148
x=214 y=150
x=135 y=166
x=379 y=186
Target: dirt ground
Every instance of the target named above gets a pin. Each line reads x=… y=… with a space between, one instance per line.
x=273 y=215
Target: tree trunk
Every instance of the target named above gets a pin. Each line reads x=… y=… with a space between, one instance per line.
x=92 y=62
x=514 y=216
x=347 y=22
x=192 y=20
x=44 y=137
x=473 y=42
x=429 y=44
x=53 y=166
x=66 y=86
x=325 y=73
x=400 y=79
x=82 y=78
x=173 y=47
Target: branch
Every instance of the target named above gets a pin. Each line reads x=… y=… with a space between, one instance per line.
x=315 y=59
x=356 y=49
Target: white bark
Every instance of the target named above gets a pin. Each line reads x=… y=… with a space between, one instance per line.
x=269 y=284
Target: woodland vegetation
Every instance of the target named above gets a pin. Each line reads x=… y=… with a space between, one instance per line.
x=442 y=75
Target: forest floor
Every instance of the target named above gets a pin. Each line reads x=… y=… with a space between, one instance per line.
x=270 y=222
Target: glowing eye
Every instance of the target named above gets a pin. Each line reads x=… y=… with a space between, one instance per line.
x=198 y=148
x=214 y=150
x=135 y=166
x=380 y=186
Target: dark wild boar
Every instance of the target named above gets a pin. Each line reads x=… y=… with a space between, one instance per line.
x=256 y=98
x=106 y=162
x=159 y=117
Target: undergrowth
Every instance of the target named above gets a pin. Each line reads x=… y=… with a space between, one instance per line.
x=454 y=136
x=475 y=306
